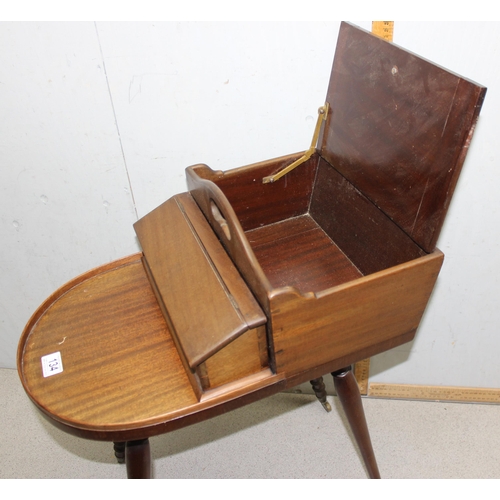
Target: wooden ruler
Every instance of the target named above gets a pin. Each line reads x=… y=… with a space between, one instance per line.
x=434 y=393
x=362 y=372
x=383 y=29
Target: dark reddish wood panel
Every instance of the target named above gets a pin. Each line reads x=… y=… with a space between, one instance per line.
x=297 y=252
x=257 y=204
x=398 y=129
x=363 y=232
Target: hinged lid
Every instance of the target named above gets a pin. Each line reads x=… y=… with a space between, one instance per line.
x=398 y=129
x=206 y=301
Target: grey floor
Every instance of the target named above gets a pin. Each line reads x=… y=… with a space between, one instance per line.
x=285 y=436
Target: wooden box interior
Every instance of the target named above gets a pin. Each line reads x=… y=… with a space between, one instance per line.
x=313 y=229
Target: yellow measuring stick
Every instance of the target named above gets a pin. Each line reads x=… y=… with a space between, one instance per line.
x=383 y=29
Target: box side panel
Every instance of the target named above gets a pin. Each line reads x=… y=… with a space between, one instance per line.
x=257 y=204
x=370 y=239
x=351 y=318
x=242 y=357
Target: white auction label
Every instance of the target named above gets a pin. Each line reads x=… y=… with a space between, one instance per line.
x=52 y=364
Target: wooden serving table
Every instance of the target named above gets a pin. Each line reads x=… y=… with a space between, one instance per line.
x=270 y=275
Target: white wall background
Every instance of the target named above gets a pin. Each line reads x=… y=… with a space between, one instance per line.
x=99 y=121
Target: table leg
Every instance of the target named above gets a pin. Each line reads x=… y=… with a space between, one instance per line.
x=119 y=449
x=350 y=398
x=319 y=389
x=138 y=459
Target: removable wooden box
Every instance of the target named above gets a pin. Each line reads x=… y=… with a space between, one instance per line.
x=335 y=261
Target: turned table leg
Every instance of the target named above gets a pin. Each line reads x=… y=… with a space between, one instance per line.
x=119 y=449
x=138 y=459
x=350 y=398
x=319 y=389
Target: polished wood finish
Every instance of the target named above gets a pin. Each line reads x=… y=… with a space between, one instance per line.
x=352 y=319
x=206 y=302
x=196 y=266
x=297 y=252
x=200 y=296
x=348 y=393
x=138 y=459
x=245 y=289
x=322 y=306
x=116 y=350
x=399 y=129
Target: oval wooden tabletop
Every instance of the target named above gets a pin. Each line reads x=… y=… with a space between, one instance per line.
x=116 y=352
x=121 y=377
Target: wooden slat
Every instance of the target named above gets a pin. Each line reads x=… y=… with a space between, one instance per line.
x=434 y=393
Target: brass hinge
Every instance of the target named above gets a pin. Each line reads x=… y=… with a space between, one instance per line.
x=322 y=114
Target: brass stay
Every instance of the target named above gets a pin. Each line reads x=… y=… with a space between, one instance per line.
x=322 y=114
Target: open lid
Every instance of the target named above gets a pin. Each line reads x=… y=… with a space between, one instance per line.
x=399 y=128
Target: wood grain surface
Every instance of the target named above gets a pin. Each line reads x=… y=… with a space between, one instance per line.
x=297 y=252
x=399 y=129
x=353 y=319
x=116 y=352
x=122 y=376
x=208 y=306
x=333 y=263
